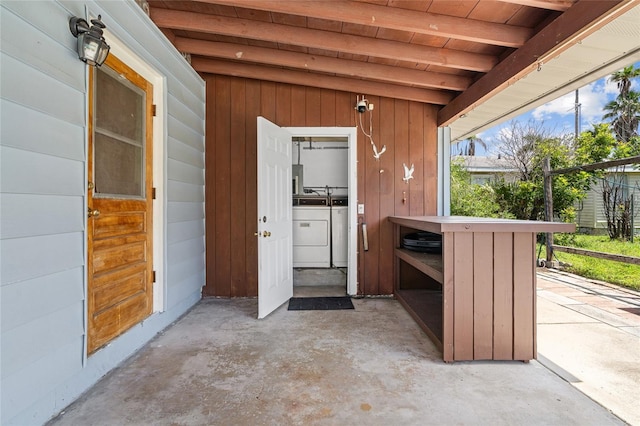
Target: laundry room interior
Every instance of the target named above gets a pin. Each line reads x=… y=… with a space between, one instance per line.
x=320 y=215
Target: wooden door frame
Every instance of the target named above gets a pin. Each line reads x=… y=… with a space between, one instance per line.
x=351 y=133
x=158 y=80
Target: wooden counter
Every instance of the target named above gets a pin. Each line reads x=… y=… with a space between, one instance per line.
x=476 y=299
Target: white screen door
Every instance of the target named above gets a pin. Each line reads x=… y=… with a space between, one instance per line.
x=275 y=227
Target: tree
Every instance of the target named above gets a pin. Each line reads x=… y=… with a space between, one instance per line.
x=623 y=78
x=470 y=147
x=469 y=199
x=524 y=146
x=516 y=144
x=624 y=114
x=624 y=111
x=595 y=145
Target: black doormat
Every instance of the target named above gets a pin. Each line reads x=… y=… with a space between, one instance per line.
x=319 y=303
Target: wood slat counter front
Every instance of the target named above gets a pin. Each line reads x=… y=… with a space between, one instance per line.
x=476 y=299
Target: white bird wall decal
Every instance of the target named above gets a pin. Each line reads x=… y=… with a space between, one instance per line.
x=408 y=172
x=377 y=154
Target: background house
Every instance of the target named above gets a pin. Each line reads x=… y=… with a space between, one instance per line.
x=204 y=142
x=486 y=169
x=590 y=215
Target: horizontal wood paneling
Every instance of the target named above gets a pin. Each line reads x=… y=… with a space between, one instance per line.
x=184 y=250
x=184 y=114
x=181 y=133
x=54 y=253
x=38 y=297
x=188 y=192
x=186 y=90
x=51 y=136
x=24 y=172
x=188 y=270
x=183 y=211
x=27 y=215
x=46 y=20
x=43 y=185
x=185 y=153
x=33 y=340
x=183 y=172
x=190 y=275
x=38 y=381
x=407 y=129
x=32 y=49
x=62 y=101
x=182 y=231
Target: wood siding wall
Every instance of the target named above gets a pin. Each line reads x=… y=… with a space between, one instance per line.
x=408 y=129
x=43 y=200
x=590 y=215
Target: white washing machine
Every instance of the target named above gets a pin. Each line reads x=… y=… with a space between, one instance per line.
x=311 y=237
x=340 y=236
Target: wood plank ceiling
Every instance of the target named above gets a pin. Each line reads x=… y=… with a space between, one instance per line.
x=449 y=53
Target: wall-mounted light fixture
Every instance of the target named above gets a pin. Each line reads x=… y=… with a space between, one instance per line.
x=92 y=47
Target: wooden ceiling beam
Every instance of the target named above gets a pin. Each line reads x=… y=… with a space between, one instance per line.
x=279 y=75
x=326 y=40
x=393 y=18
x=579 y=21
x=260 y=55
x=559 y=5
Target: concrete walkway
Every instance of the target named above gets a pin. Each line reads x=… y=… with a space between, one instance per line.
x=589 y=334
x=373 y=365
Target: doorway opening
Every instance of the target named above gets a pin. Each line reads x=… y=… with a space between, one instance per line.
x=275 y=210
x=323 y=211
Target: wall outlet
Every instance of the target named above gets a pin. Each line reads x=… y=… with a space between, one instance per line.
x=360 y=208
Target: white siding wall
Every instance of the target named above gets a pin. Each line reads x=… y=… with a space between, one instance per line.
x=43 y=95
x=592 y=214
x=634 y=182
x=586 y=217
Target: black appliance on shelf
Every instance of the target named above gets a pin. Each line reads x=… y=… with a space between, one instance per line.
x=423 y=242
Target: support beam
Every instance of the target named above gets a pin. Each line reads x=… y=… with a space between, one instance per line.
x=580 y=20
x=597 y=166
x=261 y=55
x=548 y=204
x=327 y=40
x=559 y=5
x=394 y=18
x=323 y=81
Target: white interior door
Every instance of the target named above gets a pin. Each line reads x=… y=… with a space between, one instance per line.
x=275 y=228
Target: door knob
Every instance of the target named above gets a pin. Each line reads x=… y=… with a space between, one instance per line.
x=266 y=234
x=92 y=213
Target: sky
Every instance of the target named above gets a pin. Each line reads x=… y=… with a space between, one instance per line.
x=559 y=115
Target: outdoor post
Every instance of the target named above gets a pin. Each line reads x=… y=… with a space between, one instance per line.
x=633 y=230
x=548 y=205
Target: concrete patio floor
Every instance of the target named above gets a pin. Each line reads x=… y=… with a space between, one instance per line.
x=589 y=333
x=218 y=365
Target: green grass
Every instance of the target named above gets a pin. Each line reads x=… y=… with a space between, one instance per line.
x=622 y=274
